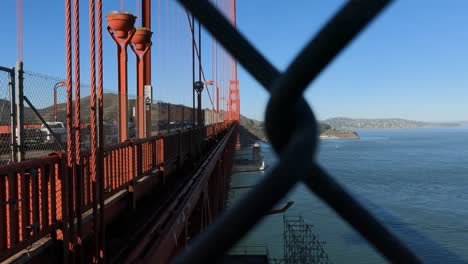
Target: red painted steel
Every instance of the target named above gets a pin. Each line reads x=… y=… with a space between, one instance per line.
x=57 y=85
x=141 y=41
x=146 y=22
x=121 y=30
x=28 y=199
x=171 y=227
x=234 y=100
x=65 y=234
x=76 y=44
x=99 y=186
x=43 y=180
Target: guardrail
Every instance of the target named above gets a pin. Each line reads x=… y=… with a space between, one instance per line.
x=30 y=202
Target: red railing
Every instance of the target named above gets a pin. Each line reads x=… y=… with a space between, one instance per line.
x=31 y=191
x=30 y=202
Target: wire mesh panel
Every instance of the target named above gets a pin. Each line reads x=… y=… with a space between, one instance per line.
x=6 y=87
x=44 y=104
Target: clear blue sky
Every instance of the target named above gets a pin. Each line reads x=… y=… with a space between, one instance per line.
x=412 y=62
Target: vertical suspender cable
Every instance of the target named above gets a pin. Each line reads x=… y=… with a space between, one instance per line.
x=66 y=210
x=68 y=69
x=139 y=14
x=212 y=77
x=159 y=62
x=76 y=28
x=166 y=61
x=19 y=25
x=173 y=54
x=78 y=169
x=200 y=118
x=93 y=145
x=193 y=72
x=100 y=138
x=199 y=51
x=216 y=75
x=92 y=51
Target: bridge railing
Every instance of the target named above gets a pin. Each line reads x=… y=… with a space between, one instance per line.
x=31 y=191
x=30 y=202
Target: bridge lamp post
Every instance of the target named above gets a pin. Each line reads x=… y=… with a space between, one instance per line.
x=57 y=85
x=198 y=86
x=212 y=82
x=227 y=105
x=121 y=28
x=141 y=44
x=217 y=93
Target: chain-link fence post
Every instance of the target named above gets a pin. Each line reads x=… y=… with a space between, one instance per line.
x=19 y=110
x=13 y=145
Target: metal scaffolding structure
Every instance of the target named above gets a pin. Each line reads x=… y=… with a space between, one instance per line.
x=301 y=245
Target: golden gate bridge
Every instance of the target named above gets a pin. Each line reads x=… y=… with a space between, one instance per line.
x=89 y=175
x=81 y=179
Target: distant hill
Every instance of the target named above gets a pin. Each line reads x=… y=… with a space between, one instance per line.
x=111 y=108
x=251 y=130
x=351 y=123
x=255 y=130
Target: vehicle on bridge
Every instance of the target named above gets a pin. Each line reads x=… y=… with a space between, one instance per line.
x=58 y=128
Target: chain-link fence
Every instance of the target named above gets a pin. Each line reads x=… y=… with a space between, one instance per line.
x=43 y=106
x=45 y=115
x=6 y=86
x=293 y=133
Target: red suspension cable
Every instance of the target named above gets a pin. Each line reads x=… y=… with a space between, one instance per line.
x=100 y=137
x=92 y=55
x=68 y=69
x=76 y=25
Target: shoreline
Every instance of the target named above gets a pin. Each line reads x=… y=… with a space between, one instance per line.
x=336 y=137
x=339 y=134
x=400 y=128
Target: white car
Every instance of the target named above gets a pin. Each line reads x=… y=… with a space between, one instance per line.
x=59 y=130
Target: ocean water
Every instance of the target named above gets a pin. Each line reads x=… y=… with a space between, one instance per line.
x=414 y=180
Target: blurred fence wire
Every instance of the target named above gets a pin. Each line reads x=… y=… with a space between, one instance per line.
x=293 y=132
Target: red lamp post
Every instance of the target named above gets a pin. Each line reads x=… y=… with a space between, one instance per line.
x=212 y=82
x=57 y=85
x=121 y=29
x=141 y=41
x=217 y=93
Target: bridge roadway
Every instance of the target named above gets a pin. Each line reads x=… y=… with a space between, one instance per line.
x=160 y=192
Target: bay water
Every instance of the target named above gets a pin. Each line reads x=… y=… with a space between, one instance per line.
x=414 y=180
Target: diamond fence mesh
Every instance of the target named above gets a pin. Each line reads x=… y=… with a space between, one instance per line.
x=293 y=132
x=5 y=117
x=45 y=105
